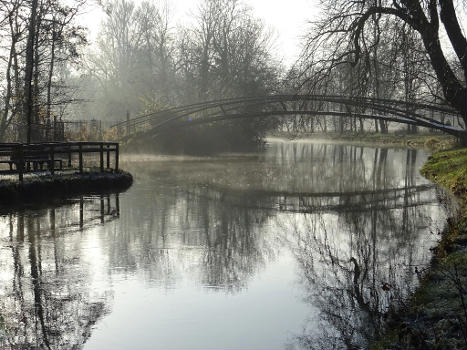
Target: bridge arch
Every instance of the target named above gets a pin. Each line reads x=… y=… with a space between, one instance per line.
x=419 y=114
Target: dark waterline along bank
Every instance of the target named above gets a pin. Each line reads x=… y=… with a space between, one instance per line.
x=41 y=188
x=435 y=316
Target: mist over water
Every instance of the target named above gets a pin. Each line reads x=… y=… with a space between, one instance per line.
x=303 y=245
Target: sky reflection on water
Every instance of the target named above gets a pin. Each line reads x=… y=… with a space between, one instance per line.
x=288 y=248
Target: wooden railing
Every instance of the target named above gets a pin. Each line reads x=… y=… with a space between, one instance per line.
x=32 y=157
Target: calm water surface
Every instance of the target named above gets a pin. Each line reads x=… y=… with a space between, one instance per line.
x=301 y=246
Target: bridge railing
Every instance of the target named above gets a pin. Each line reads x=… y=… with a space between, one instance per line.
x=421 y=114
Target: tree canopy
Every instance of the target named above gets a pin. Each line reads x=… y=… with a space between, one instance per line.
x=353 y=31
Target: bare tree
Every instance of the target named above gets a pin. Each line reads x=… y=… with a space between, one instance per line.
x=14 y=28
x=41 y=36
x=347 y=32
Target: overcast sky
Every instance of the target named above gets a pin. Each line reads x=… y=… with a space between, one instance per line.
x=286 y=18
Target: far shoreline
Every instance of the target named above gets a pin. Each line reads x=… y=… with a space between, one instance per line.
x=430 y=141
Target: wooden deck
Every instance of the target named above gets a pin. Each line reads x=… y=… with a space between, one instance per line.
x=24 y=158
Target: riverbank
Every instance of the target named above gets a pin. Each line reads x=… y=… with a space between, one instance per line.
x=61 y=184
x=435 y=316
x=431 y=141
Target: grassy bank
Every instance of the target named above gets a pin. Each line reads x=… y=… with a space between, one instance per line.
x=448 y=169
x=41 y=188
x=435 y=316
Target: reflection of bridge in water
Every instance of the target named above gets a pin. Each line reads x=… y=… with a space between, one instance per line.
x=434 y=116
x=339 y=202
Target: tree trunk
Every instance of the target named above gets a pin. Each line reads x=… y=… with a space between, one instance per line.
x=28 y=98
x=51 y=70
x=6 y=109
x=453 y=91
x=36 y=132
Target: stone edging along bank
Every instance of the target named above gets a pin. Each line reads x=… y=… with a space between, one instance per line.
x=45 y=187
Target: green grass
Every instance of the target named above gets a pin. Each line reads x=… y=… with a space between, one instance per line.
x=448 y=168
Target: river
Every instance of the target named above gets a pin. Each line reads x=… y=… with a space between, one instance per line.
x=302 y=245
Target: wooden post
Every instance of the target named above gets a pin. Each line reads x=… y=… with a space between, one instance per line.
x=101 y=157
x=80 y=150
x=20 y=162
x=81 y=212
x=52 y=222
x=117 y=204
x=116 y=156
x=102 y=209
x=108 y=157
x=52 y=160
x=69 y=156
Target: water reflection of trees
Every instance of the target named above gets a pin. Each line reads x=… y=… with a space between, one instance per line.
x=196 y=230
x=354 y=217
x=313 y=167
x=356 y=265
x=45 y=298
x=196 y=220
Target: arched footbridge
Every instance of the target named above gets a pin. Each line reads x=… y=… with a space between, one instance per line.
x=434 y=116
